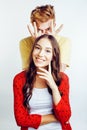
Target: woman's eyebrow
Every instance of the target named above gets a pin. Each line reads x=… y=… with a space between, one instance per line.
x=49 y=48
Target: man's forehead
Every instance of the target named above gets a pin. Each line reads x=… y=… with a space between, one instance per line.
x=44 y=25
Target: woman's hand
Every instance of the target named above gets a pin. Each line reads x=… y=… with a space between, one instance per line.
x=44 y=74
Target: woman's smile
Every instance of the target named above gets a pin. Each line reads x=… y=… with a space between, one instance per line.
x=38 y=59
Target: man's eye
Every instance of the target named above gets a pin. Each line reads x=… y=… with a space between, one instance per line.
x=48 y=51
x=48 y=29
x=36 y=47
x=39 y=30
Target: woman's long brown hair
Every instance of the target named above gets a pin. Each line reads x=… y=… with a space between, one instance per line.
x=31 y=72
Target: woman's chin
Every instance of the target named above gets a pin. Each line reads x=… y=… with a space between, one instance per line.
x=44 y=67
x=40 y=66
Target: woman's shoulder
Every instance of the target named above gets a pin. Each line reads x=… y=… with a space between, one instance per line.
x=64 y=84
x=64 y=76
x=20 y=76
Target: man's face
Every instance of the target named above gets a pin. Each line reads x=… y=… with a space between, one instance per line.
x=45 y=27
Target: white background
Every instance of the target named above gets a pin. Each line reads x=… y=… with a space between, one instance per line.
x=14 y=17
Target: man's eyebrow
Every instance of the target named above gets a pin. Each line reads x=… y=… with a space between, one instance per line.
x=37 y=44
x=44 y=29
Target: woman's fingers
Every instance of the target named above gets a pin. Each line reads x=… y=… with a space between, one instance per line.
x=49 y=68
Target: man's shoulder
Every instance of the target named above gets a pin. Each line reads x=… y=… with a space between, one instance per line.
x=26 y=40
x=62 y=38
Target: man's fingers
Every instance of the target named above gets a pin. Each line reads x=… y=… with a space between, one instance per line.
x=39 y=33
x=29 y=29
x=59 y=29
x=35 y=28
x=52 y=26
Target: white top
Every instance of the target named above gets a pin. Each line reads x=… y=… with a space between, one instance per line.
x=41 y=103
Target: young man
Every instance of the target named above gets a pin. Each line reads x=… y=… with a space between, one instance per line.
x=43 y=21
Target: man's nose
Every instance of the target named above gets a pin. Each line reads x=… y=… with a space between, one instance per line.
x=44 y=32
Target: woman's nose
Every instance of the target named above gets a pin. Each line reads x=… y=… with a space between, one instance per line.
x=41 y=53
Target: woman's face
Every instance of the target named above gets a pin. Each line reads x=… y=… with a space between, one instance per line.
x=42 y=53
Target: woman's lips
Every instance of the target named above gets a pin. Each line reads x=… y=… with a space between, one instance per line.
x=39 y=59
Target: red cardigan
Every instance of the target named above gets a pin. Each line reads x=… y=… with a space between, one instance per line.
x=62 y=110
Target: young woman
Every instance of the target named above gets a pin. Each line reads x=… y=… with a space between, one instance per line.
x=41 y=93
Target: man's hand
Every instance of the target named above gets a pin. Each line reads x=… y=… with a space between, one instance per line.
x=34 y=33
x=54 y=31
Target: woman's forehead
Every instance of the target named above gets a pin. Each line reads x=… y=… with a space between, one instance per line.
x=44 y=42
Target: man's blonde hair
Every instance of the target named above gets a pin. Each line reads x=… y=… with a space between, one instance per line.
x=42 y=14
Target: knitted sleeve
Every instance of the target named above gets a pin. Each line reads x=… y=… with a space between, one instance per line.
x=22 y=116
x=62 y=109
